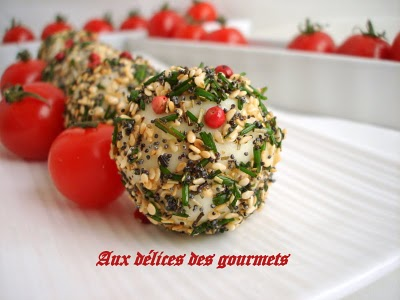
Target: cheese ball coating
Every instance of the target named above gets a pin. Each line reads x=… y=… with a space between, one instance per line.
x=63 y=42
x=100 y=94
x=63 y=69
x=183 y=174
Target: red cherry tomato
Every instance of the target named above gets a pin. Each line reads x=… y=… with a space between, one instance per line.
x=81 y=168
x=58 y=25
x=190 y=32
x=224 y=69
x=202 y=12
x=24 y=71
x=395 y=50
x=134 y=21
x=214 y=117
x=29 y=125
x=367 y=44
x=313 y=39
x=159 y=104
x=18 y=33
x=99 y=25
x=226 y=35
x=164 y=23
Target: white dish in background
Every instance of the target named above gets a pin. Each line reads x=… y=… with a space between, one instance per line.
x=358 y=89
x=280 y=34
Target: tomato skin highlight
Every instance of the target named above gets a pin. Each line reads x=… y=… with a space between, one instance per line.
x=98 y=26
x=395 y=49
x=17 y=34
x=22 y=72
x=28 y=127
x=365 y=46
x=164 y=23
x=81 y=168
x=227 y=35
x=214 y=117
x=224 y=69
x=202 y=12
x=315 y=42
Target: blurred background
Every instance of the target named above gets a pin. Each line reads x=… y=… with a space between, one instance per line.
x=269 y=19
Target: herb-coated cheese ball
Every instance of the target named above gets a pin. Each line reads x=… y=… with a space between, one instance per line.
x=63 y=41
x=100 y=94
x=197 y=149
x=63 y=69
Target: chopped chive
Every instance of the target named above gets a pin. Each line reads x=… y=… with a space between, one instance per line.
x=176 y=133
x=173 y=78
x=181 y=88
x=225 y=221
x=221 y=198
x=204 y=162
x=258 y=94
x=263 y=107
x=204 y=94
x=258 y=197
x=140 y=74
x=181 y=214
x=225 y=80
x=165 y=171
x=237 y=194
x=243 y=74
x=210 y=225
x=247 y=171
x=142 y=105
x=114 y=135
x=154 y=78
x=257 y=158
x=226 y=180
x=247 y=129
x=240 y=104
x=134 y=95
x=213 y=174
x=169 y=118
x=191 y=116
x=148 y=193
x=154 y=217
x=208 y=141
x=185 y=194
x=200 y=229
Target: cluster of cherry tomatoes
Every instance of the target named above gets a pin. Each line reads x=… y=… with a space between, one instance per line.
x=367 y=43
x=32 y=127
x=166 y=23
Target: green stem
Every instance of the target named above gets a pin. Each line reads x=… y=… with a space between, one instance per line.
x=24 y=55
x=16 y=93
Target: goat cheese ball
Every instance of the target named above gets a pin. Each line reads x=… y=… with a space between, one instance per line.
x=197 y=149
x=100 y=94
x=63 y=69
x=62 y=41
